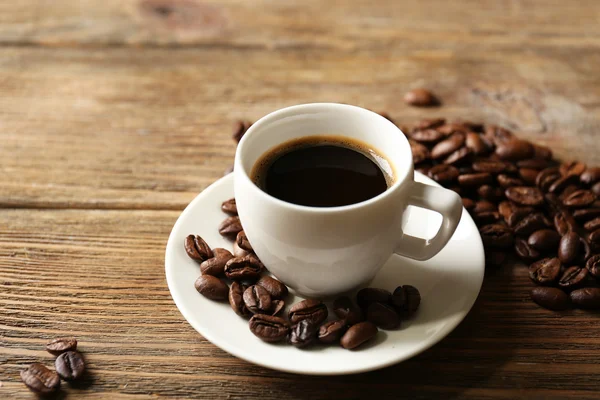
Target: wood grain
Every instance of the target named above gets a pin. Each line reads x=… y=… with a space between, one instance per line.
x=115 y=114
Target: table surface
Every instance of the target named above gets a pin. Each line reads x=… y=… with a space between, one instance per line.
x=115 y=114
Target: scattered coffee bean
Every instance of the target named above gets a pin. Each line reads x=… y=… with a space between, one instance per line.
x=239 y=129
x=514 y=150
x=592 y=225
x=236 y=299
x=448 y=146
x=70 y=365
x=197 y=249
x=443 y=173
x=269 y=328
x=489 y=166
x=468 y=204
x=241 y=245
x=313 y=310
x=590 y=176
x=573 y=277
x=413 y=300
x=579 y=198
x=587 y=214
x=277 y=306
x=366 y=296
x=474 y=143
x=534 y=163
x=458 y=156
x=484 y=206
x=489 y=192
x=332 y=331
x=596 y=189
x=569 y=248
x=230 y=227
x=40 y=379
x=560 y=224
x=346 y=310
x=247 y=268
x=303 y=334
x=420 y=153
x=431 y=123
x=525 y=251
x=211 y=287
x=257 y=300
x=496 y=236
x=420 y=98
x=60 y=345
x=525 y=195
x=276 y=289
x=229 y=207
x=383 y=315
x=587 y=298
x=561 y=183
x=475 y=180
x=528 y=175
x=545 y=271
x=427 y=136
x=544 y=240
x=216 y=265
x=572 y=168
x=593 y=265
x=531 y=223
x=551 y=298
x=358 y=334
x=507 y=181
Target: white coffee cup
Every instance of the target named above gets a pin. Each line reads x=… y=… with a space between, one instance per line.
x=323 y=251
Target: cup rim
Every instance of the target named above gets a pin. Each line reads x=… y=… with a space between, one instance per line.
x=401 y=178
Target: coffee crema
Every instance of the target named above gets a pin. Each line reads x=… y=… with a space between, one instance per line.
x=323 y=171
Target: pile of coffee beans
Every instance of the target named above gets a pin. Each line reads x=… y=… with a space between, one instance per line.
x=521 y=198
x=69 y=366
x=241 y=279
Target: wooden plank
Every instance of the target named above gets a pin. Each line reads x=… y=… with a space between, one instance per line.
x=268 y=24
x=149 y=129
x=99 y=275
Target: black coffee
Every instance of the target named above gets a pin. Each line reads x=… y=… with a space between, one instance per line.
x=323 y=171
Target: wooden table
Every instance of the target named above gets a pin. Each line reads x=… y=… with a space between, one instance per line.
x=114 y=114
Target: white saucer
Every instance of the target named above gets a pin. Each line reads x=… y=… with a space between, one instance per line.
x=449 y=284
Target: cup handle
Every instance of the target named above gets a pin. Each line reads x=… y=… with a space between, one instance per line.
x=434 y=198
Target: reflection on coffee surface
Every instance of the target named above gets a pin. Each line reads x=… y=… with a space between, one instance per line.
x=323 y=171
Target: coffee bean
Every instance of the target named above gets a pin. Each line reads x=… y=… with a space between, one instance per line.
x=420 y=98
x=483 y=206
x=544 y=240
x=525 y=251
x=580 y=198
x=468 y=204
x=229 y=207
x=534 y=163
x=494 y=258
x=508 y=181
x=560 y=224
x=596 y=189
x=346 y=310
x=431 y=123
x=475 y=180
x=594 y=240
x=490 y=167
x=230 y=227
x=413 y=300
x=448 y=146
x=496 y=236
x=498 y=135
x=551 y=298
x=332 y=331
x=366 y=296
x=587 y=214
x=420 y=153
x=236 y=299
x=423 y=168
x=567 y=192
x=427 y=136
x=276 y=307
x=561 y=183
x=514 y=150
x=239 y=129
x=197 y=249
x=243 y=268
x=569 y=248
x=269 y=328
x=545 y=271
x=490 y=193
x=546 y=178
x=531 y=223
x=508 y=209
x=241 y=245
x=383 y=315
x=211 y=287
x=474 y=143
x=528 y=175
x=313 y=310
x=40 y=379
x=587 y=298
x=358 y=334
x=443 y=173
x=465 y=169
x=456 y=189
x=593 y=265
x=276 y=289
x=486 y=217
x=70 y=365
x=572 y=168
x=303 y=334
x=216 y=265
x=257 y=300
x=542 y=152
x=459 y=156
x=590 y=176
x=592 y=225
x=60 y=345
x=573 y=277
x=525 y=195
